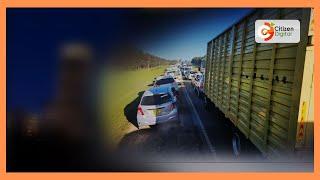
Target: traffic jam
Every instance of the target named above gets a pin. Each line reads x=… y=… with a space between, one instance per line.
x=175 y=123
x=159 y=104
x=245 y=102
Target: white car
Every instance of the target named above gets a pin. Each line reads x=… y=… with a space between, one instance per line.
x=193 y=81
x=157 y=105
x=178 y=77
x=185 y=70
x=166 y=81
x=191 y=75
x=199 y=84
x=169 y=73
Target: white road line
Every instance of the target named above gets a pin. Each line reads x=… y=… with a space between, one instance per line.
x=202 y=129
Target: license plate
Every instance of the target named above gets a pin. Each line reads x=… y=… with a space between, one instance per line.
x=157 y=112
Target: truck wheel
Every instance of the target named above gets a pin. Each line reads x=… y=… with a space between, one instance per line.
x=236 y=145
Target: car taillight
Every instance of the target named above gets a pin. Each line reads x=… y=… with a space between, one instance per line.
x=140 y=111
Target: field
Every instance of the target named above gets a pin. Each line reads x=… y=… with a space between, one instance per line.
x=121 y=92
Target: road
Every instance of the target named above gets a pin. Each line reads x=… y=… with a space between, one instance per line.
x=202 y=138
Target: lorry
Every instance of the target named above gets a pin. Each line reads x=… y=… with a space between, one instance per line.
x=265 y=89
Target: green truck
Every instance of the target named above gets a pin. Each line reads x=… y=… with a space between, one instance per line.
x=265 y=90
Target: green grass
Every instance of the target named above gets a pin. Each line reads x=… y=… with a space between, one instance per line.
x=120 y=90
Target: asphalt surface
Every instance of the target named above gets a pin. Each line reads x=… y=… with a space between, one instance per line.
x=201 y=135
x=202 y=141
x=168 y=142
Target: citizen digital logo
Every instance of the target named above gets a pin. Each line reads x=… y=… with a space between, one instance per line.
x=277 y=31
x=283 y=31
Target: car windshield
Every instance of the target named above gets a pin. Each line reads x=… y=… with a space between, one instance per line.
x=165 y=81
x=156 y=99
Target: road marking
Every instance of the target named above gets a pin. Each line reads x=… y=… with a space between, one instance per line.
x=202 y=129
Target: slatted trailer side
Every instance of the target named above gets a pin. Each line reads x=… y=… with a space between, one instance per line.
x=258 y=86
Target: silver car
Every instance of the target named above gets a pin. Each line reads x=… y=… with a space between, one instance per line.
x=157 y=105
x=165 y=81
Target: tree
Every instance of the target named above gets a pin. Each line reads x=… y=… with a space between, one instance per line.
x=196 y=61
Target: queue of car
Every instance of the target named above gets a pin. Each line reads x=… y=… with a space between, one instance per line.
x=159 y=103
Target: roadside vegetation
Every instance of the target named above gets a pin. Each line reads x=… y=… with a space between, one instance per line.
x=196 y=61
x=120 y=93
x=131 y=58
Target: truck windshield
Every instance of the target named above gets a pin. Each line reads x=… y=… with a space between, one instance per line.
x=156 y=99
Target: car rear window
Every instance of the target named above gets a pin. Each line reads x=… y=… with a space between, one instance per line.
x=156 y=99
x=164 y=81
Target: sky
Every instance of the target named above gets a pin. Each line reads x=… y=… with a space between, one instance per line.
x=35 y=35
x=188 y=37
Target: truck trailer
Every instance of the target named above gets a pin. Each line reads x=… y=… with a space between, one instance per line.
x=265 y=89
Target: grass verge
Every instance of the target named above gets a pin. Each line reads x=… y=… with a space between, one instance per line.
x=120 y=94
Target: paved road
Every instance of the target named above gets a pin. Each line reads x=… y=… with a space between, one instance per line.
x=201 y=142
x=220 y=130
x=201 y=135
x=170 y=141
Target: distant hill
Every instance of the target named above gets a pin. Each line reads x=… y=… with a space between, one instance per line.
x=133 y=58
